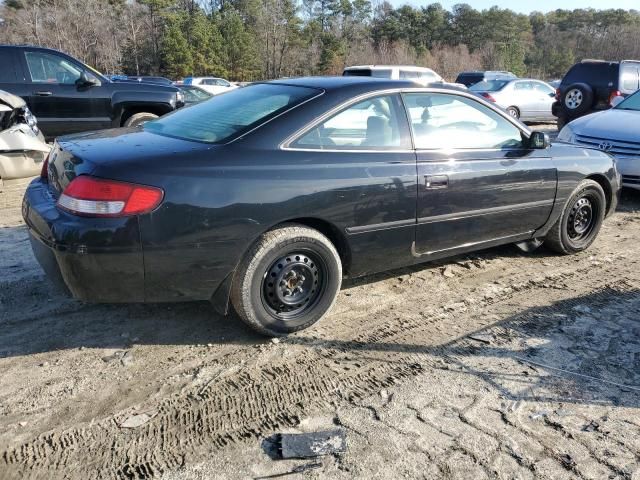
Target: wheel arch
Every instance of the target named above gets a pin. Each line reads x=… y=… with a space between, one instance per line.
x=221 y=297
x=606 y=187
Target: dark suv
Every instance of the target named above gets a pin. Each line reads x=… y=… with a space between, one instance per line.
x=591 y=85
x=68 y=96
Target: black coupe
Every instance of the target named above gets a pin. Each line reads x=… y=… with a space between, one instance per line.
x=266 y=196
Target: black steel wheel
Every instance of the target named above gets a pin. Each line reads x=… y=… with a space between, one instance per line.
x=287 y=281
x=580 y=221
x=293 y=284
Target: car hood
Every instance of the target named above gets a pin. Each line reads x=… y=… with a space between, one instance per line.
x=613 y=124
x=11 y=100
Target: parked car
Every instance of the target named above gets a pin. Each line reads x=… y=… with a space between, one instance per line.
x=471 y=78
x=213 y=85
x=614 y=131
x=524 y=98
x=68 y=96
x=264 y=197
x=592 y=85
x=22 y=146
x=420 y=75
x=194 y=94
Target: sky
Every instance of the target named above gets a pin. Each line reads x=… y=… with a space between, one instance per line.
x=528 y=6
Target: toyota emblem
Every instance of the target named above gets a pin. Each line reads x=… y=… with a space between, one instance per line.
x=605 y=146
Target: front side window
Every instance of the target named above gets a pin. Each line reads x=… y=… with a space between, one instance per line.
x=47 y=68
x=443 y=121
x=227 y=116
x=543 y=88
x=376 y=123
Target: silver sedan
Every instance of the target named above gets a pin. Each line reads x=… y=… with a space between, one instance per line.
x=614 y=131
x=523 y=98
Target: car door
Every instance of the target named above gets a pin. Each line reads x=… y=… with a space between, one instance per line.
x=11 y=75
x=545 y=95
x=478 y=182
x=59 y=102
x=363 y=153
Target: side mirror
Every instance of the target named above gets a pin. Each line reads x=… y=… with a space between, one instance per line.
x=539 y=141
x=87 y=80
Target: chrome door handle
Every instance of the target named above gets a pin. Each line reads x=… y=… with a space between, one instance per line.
x=436 y=181
x=44 y=93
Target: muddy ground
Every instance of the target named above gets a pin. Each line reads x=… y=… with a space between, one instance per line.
x=494 y=365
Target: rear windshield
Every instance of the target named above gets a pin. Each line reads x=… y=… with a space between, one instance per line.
x=230 y=114
x=489 y=86
x=469 y=79
x=367 y=72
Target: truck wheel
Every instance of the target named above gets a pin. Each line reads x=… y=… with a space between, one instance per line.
x=580 y=221
x=138 y=119
x=287 y=281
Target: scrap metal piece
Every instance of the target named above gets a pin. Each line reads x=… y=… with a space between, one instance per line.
x=313 y=444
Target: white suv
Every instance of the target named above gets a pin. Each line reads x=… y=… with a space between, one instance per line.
x=213 y=85
x=420 y=75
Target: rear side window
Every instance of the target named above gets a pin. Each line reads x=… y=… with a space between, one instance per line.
x=377 y=123
x=227 y=116
x=8 y=70
x=598 y=74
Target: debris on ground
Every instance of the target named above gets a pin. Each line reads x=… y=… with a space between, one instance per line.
x=137 y=420
x=312 y=444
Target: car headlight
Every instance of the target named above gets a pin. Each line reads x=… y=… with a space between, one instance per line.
x=31 y=120
x=566 y=135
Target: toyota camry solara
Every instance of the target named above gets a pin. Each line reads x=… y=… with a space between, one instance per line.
x=265 y=197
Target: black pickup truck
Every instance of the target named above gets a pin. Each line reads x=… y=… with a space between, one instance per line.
x=68 y=96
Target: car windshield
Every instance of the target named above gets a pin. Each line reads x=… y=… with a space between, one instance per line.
x=232 y=114
x=630 y=103
x=488 y=86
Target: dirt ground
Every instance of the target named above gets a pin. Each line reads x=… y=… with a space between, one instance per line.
x=494 y=365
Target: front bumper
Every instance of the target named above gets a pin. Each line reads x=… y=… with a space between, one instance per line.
x=94 y=259
x=629 y=169
x=21 y=152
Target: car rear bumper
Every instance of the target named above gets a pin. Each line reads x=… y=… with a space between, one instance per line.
x=96 y=260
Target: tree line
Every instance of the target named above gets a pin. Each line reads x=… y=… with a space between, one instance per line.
x=263 y=39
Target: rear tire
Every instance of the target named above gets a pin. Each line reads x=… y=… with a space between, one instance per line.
x=288 y=280
x=138 y=119
x=513 y=112
x=580 y=221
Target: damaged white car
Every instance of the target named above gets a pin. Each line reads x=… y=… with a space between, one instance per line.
x=22 y=145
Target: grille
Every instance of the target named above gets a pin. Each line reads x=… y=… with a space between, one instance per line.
x=618 y=147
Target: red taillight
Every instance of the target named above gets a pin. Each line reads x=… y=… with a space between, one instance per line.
x=558 y=94
x=488 y=96
x=96 y=197
x=44 y=172
x=614 y=94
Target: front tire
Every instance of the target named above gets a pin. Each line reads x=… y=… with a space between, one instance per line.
x=580 y=221
x=288 y=280
x=138 y=119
